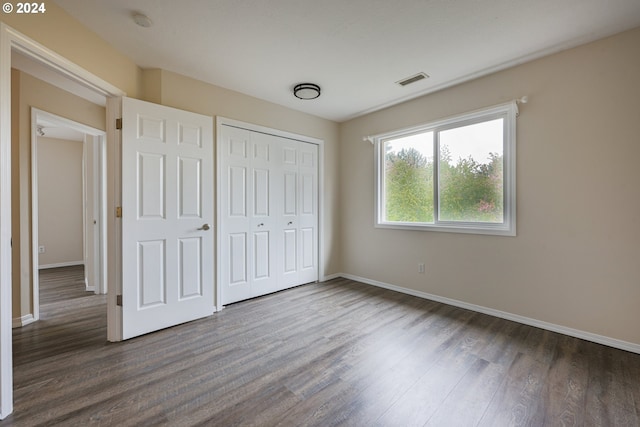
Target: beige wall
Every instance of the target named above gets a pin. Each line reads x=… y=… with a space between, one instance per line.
x=60 y=207
x=30 y=92
x=575 y=261
x=182 y=92
x=60 y=32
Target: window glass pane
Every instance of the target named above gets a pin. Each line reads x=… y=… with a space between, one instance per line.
x=471 y=173
x=408 y=178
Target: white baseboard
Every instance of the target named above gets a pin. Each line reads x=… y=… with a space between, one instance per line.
x=19 y=322
x=87 y=287
x=600 y=339
x=60 y=264
x=330 y=277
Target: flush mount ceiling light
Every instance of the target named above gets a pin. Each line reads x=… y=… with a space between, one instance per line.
x=142 y=20
x=306 y=91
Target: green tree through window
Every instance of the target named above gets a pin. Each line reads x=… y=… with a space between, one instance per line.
x=409 y=186
x=454 y=174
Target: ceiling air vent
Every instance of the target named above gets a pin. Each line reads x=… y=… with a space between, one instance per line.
x=412 y=79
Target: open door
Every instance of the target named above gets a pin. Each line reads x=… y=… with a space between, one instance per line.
x=167 y=217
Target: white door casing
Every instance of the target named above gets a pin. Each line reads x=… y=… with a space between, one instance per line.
x=167 y=217
x=93 y=215
x=11 y=39
x=95 y=205
x=268 y=213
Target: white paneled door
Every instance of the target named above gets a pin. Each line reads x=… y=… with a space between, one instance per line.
x=269 y=213
x=167 y=217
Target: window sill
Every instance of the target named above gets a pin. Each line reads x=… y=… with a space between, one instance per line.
x=486 y=229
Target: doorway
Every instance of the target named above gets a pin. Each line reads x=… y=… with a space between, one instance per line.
x=12 y=41
x=68 y=200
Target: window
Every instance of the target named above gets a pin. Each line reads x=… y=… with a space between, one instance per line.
x=455 y=175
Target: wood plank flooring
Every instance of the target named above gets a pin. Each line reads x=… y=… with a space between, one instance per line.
x=328 y=354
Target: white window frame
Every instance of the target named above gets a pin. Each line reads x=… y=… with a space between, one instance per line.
x=509 y=112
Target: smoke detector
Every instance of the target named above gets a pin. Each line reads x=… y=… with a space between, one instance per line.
x=142 y=20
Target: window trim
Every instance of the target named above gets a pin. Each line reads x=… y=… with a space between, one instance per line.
x=508 y=111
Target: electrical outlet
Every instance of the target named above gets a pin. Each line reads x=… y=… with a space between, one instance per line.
x=421 y=268
x=41 y=249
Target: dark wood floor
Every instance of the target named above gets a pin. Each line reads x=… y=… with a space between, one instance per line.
x=335 y=353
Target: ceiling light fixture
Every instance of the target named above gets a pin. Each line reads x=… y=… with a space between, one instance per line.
x=142 y=20
x=306 y=91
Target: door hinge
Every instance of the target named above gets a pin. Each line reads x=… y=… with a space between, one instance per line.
x=118 y=124
x=119 y=300
x=118 y=212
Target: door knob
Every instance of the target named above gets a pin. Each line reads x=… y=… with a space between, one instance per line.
x=204 y=227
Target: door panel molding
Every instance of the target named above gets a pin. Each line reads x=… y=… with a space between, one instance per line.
x=167 y=244
x=294 y=161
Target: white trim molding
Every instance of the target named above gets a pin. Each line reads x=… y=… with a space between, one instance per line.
x=11 y=39
x=19 y=322
x=60 y=264
x=99 y=260
x=6 y=349
x=588 y=336
x=506 y=134
x=331 y=277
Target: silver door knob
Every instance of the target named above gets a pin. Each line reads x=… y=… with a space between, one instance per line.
x=204 y=227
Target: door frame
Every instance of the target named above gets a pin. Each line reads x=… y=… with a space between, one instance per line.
x=99 y=260
x=11 y=39
x=223 y=121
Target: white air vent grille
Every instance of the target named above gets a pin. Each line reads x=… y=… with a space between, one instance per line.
x=412 y=79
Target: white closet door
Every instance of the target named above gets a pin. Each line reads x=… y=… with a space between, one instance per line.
x=246 y=231
x=234 y=241
x=289 y=201
x=263 y=213
x=269 y=213
x=308 y=213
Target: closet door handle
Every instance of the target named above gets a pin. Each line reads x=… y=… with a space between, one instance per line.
x=290 y=222
x=205 y=227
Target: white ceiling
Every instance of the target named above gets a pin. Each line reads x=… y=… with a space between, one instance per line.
x=354 y=49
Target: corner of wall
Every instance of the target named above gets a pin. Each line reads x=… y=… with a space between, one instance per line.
x=151 y=84
x=60 y=32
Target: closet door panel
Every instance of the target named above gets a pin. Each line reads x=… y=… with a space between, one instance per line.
x=308 y=217
x=264 y=214
x=269 y=192
x=236 y=199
